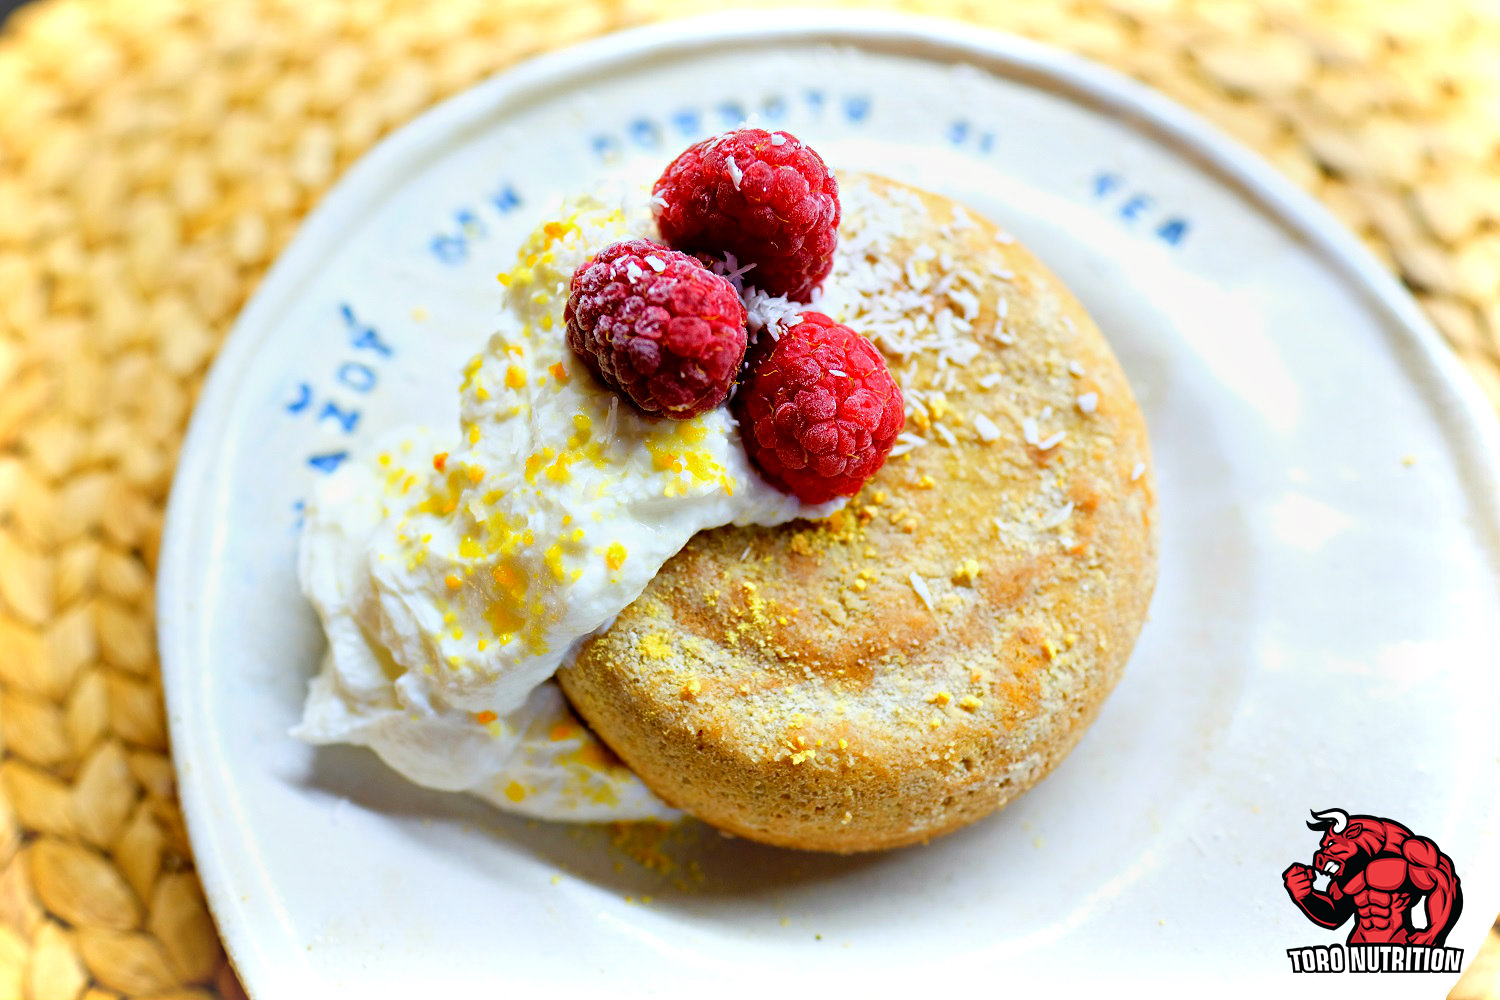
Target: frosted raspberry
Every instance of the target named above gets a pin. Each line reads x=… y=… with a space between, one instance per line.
x=762 y=196
x=657 y=326
x=820 y=411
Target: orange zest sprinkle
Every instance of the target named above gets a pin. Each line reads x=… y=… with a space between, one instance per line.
x=453 y=582
x=558 y=371
x=486 y=717
x=439 y=460
x=515 y=377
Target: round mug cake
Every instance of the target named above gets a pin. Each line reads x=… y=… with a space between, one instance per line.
x=935 y=648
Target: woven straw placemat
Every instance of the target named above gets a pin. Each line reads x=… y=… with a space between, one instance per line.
x=155 y=155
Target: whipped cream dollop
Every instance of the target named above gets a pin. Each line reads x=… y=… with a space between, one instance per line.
x=454 y=573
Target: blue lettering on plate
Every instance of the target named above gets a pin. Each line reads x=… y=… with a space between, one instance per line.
x=361 y=335
x=605 y=147
x=1137 y=207
x=327 y=462
x=347 y=419
x=449 y=249
x=470 y=225
x=731 y=113
x=303 y=400
x=1107 y=183
x=452 y=247
x=645 y=133
x=963 y=133
x=650 y=133
x=1132 y=209
x=359 y=375
x=506 y=200
x=1173 y=230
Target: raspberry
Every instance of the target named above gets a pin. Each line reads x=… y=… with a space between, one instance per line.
x=658 y=327
x=820 y=411
x=762 y=196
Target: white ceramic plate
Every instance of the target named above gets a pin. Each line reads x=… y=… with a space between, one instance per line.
x=1324 y=632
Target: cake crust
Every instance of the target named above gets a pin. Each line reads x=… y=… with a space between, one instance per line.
x=929 y=653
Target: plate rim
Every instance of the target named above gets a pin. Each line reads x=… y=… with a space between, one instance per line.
x=1459 y=406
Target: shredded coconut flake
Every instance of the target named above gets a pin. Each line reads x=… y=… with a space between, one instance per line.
x=1029 y=432
x=1075 y=369
x=967 y=301
x=769 y=313
x=1047 y=444
x=1138 y=471
x=962 y=352
x=730 y=268
x=925 y=307
x=777 y=139
x=905 y=442
x=657 y=264
x=745 y=554
x=985 y=428
x=611 y=419
x=990 y=381
x=1058 y=516
x=735 y=173
x=1088 y=402
x=920 y=586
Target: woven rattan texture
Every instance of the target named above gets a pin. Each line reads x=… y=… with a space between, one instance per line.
x=155 y=156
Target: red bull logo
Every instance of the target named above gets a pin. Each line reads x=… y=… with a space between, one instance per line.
x=1397 y=890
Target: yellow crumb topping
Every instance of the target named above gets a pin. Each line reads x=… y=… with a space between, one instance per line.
x=655 y=646
x=966 y=573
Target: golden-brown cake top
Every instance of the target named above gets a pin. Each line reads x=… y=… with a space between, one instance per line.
x=951 y=629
